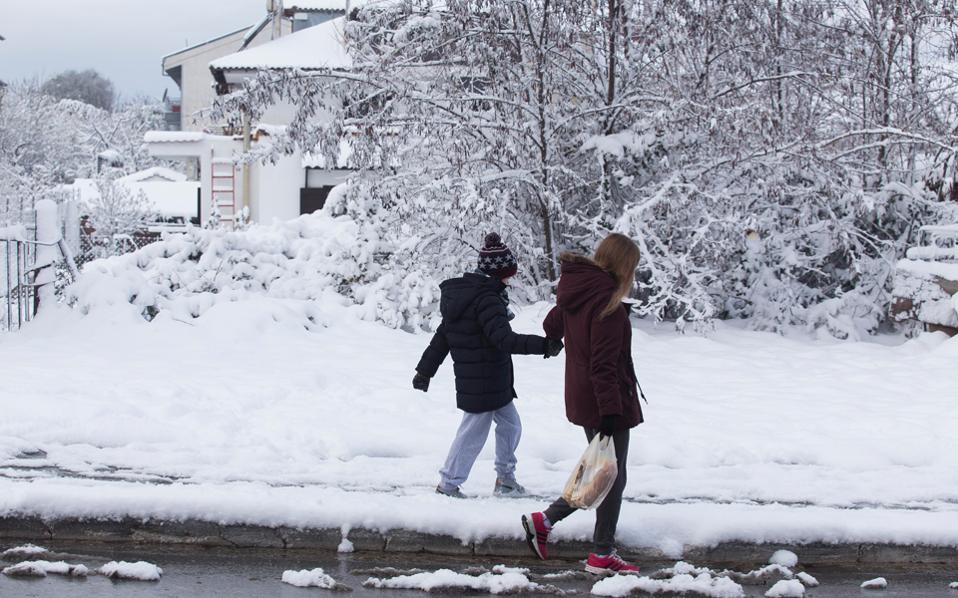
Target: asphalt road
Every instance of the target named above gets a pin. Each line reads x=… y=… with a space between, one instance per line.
x=246 y=574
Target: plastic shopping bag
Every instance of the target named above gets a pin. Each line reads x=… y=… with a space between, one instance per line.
x=593 y=476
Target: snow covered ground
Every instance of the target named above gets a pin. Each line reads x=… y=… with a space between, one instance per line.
x=244 y=415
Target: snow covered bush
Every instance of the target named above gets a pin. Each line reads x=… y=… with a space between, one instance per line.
x=308 y=258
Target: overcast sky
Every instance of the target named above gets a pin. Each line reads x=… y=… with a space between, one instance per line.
x=124 y=40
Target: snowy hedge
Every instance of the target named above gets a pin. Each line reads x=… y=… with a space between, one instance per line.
x=309 y=258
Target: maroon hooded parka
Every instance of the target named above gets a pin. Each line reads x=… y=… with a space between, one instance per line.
x=599 y=374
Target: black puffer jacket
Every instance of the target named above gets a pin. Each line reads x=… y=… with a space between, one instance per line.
x=475 y=329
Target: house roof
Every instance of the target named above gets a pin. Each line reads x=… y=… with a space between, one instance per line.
x=209 y=41
x=172 y=136
x=319 y=47
x=153 y=173
x=167 y=199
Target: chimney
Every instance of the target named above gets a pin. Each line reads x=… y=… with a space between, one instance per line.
x=277 y=30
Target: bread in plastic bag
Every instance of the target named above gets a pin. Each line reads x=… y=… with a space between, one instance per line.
x=593 y=476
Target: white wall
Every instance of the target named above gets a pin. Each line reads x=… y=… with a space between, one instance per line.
x=275 y=189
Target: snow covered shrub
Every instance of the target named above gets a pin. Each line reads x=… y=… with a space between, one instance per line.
x=308 y=258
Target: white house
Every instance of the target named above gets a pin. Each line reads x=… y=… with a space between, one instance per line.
x=306 y=34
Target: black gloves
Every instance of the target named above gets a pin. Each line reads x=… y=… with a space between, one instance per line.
x=420 y=382
x=607 y=425
x=553 y=347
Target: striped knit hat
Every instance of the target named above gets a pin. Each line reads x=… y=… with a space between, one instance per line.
x=495 y=259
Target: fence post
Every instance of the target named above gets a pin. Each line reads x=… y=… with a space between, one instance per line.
x=48 y=234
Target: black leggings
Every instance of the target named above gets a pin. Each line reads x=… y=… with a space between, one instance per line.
x=607 y=515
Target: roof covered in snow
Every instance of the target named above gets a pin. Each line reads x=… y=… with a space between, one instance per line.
x=169 y=199
x=172 y=136
x=319 y=47
x=209 y=41
x=154 y=174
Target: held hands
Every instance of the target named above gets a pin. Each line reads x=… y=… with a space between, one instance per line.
x=607 y=425
x=553 y=348
x=420 y=382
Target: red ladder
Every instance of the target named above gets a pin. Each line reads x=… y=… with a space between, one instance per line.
x=223 y=174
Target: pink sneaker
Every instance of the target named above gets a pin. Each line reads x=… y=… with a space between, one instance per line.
x=537 y=533
x=608 y=565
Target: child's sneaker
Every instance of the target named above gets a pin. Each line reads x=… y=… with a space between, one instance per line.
x=509 y=489
x=608 y=565
x=537 y=533
x=451 y=493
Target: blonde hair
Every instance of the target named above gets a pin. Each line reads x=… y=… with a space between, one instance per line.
x=619 y=256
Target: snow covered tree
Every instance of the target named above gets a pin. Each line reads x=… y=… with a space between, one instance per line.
x=89 y=87
x=117 y=214
x=46 y=142
x=771 y=158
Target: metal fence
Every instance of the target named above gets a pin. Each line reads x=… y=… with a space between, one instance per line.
x=19 y=270
x=93 y=246
x=18 y=303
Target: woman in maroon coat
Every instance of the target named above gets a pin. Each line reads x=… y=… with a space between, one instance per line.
x=600 y=382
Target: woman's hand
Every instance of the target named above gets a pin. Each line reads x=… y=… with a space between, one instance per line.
x=553 y=348
x=607 y=425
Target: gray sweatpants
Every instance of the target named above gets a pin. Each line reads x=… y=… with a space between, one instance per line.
x=471 y=437
x=607 y=515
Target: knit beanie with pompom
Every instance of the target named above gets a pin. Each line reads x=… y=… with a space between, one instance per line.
x=495 y=259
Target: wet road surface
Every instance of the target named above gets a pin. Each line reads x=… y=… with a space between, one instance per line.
x=256 y=574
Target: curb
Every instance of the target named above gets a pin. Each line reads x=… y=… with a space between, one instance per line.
x=204 y=535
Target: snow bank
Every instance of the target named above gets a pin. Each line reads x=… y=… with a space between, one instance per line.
x=305 y=578
x=138 y=571
x=310 y=258
x=44 y=568
x=702 y=584
x=879 y=583
x=786 y=588
x=507 y=581
x=785 y=558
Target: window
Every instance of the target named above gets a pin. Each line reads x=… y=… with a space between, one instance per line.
x=313 y=199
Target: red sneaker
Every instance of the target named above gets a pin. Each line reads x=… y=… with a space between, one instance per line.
x=608 y=565
x=537 y=533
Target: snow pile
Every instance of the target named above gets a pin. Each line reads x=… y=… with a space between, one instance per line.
x=138 y=571
x=953 y=585
x=502 y=580
x=703 y=584
x=786 y=588
x=918 y=280
x=25 y=551
x=345 y=546
x=44 y=568
x=808 y=580
x=305 y=259
x=316 y=578
x=785 y=558
x=879 y=583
